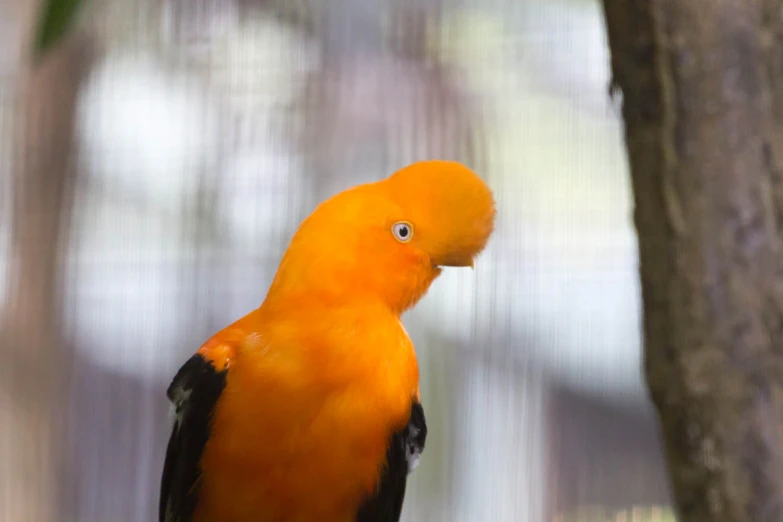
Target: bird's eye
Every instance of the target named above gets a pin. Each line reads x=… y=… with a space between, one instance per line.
x=403 y=231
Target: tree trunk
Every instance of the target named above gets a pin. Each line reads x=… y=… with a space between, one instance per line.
x=702 y=86
x=30 y=336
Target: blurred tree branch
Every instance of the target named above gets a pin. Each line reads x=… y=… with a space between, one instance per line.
x=702 y=86
x=30 y=334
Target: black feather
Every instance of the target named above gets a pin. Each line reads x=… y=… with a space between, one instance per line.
x=194 y=392
x=386 y=504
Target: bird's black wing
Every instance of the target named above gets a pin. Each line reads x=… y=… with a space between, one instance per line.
x=194 y=392
x=401 y=458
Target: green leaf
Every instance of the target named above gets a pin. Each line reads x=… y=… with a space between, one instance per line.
x=56 y=18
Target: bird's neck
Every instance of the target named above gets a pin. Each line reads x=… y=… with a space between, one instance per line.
x=397 y=291
x=327 y=303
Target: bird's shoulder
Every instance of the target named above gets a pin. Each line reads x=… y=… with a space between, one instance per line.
x=206 y=368
x=219 y=352
x=194 y=393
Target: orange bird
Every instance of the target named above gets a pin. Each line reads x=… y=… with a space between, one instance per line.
x=307 y=409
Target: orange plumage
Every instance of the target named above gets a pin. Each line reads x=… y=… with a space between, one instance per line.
x=323 y=373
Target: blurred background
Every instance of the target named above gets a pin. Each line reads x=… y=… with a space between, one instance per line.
x=155 y=164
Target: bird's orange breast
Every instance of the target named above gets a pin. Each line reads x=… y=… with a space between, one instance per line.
x=301 y=430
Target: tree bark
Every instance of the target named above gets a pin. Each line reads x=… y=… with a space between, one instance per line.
x=702 y=87
x=30 y=335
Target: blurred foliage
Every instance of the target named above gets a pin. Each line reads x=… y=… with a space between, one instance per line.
x=193 y=177
x=54 y=21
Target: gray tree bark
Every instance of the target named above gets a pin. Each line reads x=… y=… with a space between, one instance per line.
x=702 y=89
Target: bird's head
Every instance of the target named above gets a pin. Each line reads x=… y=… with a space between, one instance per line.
x=387 y=241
